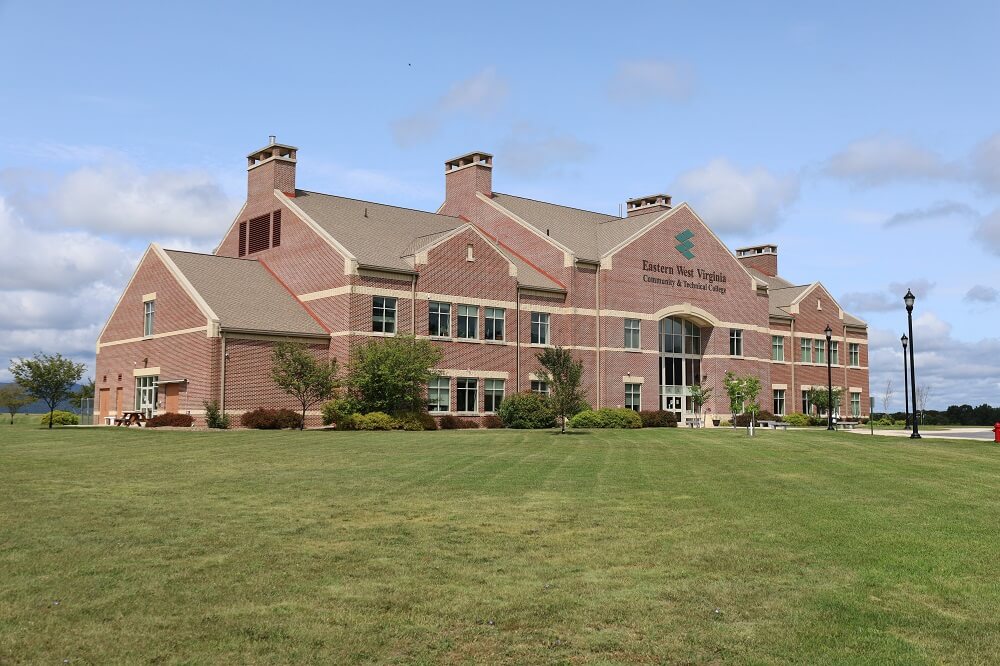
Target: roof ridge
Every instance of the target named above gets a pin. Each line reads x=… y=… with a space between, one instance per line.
x=206 y=254
x=610 y=216
x=377 y=203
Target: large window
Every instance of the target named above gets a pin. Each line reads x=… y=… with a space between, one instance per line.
x=149 y=312
x=494 y=324
x=465 y=394
x=777 y=348
x=806 y=407
x=735 y=342
x=439 y=319
x=468 y=321
x=383 y=314
x=541 y=388
x=855 y=404
x=834 y=352
x=779 y=402
x=632 y=340
x=439 y=394
x=854 y=350
x=492 y=394
x=680 y=364
x=805 y=347
x=819 y=351
x=633 y=396
x=539 y=328
x=145 y=394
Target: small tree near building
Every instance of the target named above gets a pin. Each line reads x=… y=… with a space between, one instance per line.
x=923 y=396
x=298 y=373
x=13 y=399
x=742 y=392
x=85 y=392
x=390 y=375
x=820 y=399
x=47 y=378
x=887 y=394
x=562 y=373
x=699 y=396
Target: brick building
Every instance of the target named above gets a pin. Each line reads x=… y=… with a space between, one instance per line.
x=651 y=303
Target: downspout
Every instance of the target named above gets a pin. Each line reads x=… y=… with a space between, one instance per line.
x=597 y=331
x=845 y=349
x=517 y=339
x=413 y=304
x=222 y=387
x=796 y=393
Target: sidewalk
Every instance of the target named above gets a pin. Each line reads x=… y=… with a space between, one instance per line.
x=982 y=434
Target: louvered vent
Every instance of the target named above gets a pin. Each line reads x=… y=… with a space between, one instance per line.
x=243 y=238
x=276 y=228
x=259 y=234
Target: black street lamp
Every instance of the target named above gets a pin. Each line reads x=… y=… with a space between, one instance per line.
x=829 y=380
x=906 y=388
x=909 y=299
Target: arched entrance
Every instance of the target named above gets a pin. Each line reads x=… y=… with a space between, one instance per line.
x=680 y=365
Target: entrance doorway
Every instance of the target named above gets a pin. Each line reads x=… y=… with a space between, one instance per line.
x=680 y=365
x=145 y=394
x=103 y=404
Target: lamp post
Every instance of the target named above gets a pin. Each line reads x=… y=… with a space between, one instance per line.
x=829 y=380
x=906 y=388
x=909 y=299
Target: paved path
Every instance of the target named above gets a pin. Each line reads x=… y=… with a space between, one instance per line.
x=983 y=434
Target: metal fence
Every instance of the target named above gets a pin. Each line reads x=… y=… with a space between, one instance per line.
x=86 y=412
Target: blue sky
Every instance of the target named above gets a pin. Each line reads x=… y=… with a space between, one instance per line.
x=863 y=140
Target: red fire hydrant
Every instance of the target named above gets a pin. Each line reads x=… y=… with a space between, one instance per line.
x=996 y=433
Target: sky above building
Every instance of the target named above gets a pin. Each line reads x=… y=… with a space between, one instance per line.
x=862 y=138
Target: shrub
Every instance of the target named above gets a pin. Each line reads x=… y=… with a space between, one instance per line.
x=818 y=420
x=455 y=423
x=171 y=420
x=416 y=421
x=271 y=419
x=336 y=410
x=492 y=422
x=607 y=417
x=765 y=415
x=373 y=421
x=658 y=419
x=528 y=411
x=797 y=419
x=60 y=417
x=741 y=420
x=213 y=417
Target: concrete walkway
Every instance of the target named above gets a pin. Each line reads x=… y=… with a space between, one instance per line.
x=982 y=434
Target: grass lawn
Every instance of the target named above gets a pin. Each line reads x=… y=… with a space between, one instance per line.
x=678 y=546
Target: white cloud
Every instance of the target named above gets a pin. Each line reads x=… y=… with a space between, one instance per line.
x=987 y=232
x=884 y=158
x=650 y=81
x=886 y=300
x=731 y=199
x=533 y=153
x=935 y=211
x=980 y=293
x=479 y=95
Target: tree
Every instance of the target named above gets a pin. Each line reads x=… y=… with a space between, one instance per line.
x=47 y=378
x=85 y=392
x=887 y=395
x=299 y=374
x=13 y=398
x=699 y=396
x=820 y=399
x=562 y=373
x=923 y=396
x=390 y=374
x=742 y=392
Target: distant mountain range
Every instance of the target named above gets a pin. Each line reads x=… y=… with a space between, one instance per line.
x=40 y=407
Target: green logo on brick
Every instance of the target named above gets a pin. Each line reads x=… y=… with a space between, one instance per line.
x=684 y=243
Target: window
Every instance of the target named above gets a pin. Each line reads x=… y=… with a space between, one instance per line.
x=632 y=334
x=735 y=342
x=854 y=350
x=777 y=348
x=492 y=394
x=541 y=388
x=494 y=324
x=439 y=319
x=855 y=404
x=465 y=393
x=145 y=394
x=149 y=309
x=779 y=402
x=806 y=407
x=468 y=321
x=805 y=347
x=819 y=351
x=539 y=328
x=834 y=352
x=469 y=256
x=633 y=398
x=383 y=314
x=439 y=394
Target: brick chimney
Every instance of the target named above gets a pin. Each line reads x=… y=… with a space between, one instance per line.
x=270 y=168
x=763 y=258
x=466 y=175
x=648 y=204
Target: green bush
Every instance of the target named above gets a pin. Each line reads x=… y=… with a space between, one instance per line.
x=414 y=421
x=454 y=423
x=170 y=420
x=338 y=409
x=213 y=417
x=492 y=422
x=797 y=419
x=373 y=421
x=60 y=417
x=271 y=419
x=658 y=419
x=526 y=411
x=607 y=417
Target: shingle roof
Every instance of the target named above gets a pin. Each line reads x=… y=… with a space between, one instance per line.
x=782 y=294
x=384 y=236
x=244 y=294
x=588 y=234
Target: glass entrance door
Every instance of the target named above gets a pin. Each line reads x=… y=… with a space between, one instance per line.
x=680 y=365
x=145 y=394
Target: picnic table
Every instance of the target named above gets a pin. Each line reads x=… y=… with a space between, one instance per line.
x=131 y=417
x=694 y=423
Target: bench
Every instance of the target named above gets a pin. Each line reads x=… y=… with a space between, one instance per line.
x=773 y=425
x=847 y=425
x=694 y=423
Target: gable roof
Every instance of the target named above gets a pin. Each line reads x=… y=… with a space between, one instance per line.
x=244 y=294
x=782 y=294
